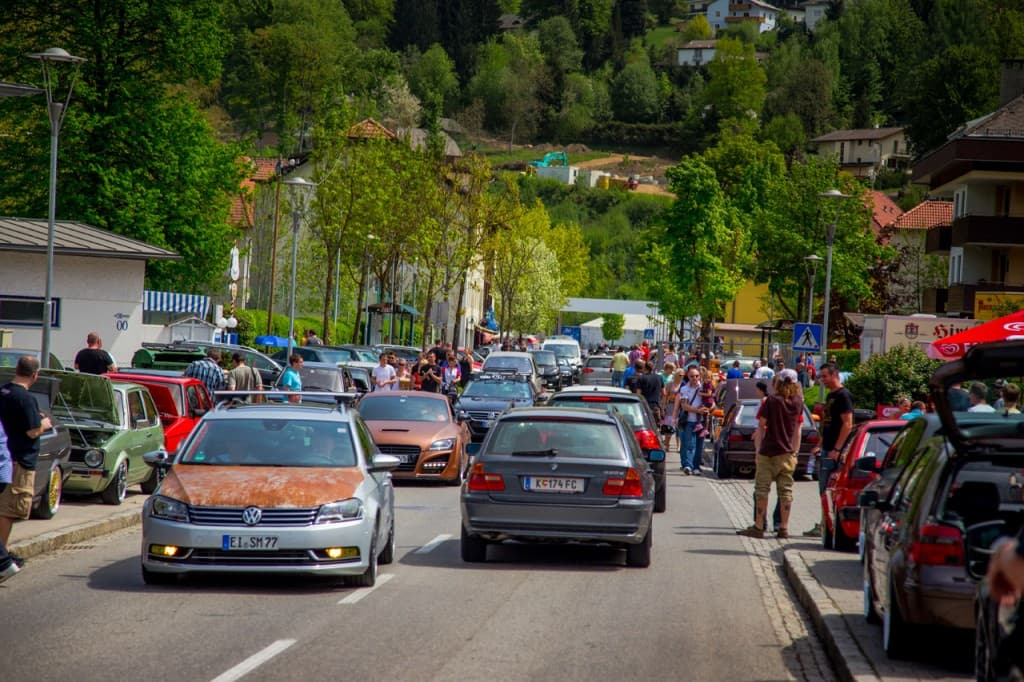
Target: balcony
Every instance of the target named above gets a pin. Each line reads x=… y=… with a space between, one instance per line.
x=934 y=300
x=737 y=20
x=988 y=229
x=961 y=296
x=740 y=7
x=937 y=240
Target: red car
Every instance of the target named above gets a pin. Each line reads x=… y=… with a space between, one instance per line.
x=180 y=400
x=840 y=514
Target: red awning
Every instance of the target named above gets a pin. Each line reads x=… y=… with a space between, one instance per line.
x=952 y=347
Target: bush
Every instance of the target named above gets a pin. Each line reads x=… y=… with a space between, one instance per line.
x=903 y=371
x=848 y=359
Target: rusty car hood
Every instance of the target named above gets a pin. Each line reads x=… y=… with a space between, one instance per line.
x=206 y=485
x=411 y=433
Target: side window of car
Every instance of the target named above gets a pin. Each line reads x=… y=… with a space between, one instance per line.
x=918 y=479
x=365 y=440
x=135 y=409
x=152 y=416
x=192 y=396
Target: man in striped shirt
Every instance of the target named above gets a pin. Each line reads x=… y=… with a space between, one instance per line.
x=208 y=371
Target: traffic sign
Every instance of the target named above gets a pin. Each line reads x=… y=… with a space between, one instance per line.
x=573 y=332
x=649 y=334
x=807 y=337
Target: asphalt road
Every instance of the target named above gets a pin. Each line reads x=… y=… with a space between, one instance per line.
x=709 y=608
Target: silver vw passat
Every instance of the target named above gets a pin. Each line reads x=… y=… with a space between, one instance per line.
x=556 y=475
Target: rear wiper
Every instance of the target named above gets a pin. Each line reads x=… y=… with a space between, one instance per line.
x=550 y=452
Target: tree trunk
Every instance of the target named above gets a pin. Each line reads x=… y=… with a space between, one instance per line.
x=359 y=305
x=328 y=299
x=427 y=308
x=456 y=336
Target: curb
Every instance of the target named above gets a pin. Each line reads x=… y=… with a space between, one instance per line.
x=54 y=540
x=851 y=664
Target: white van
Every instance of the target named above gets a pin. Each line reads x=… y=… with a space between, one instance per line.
x=564 y=347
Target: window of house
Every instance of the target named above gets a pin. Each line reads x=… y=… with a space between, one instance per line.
x=1002 y=200
x=27 y=311
x=895 y=146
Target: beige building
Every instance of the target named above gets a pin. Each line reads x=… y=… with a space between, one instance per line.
x=862 y=152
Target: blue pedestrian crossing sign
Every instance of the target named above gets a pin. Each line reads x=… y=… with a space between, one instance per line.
x=649 y=334
x=807 y=337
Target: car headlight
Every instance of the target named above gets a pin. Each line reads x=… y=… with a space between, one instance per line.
x=167 y=508
x=443 y=444
x=346 y=510
x=93 y=458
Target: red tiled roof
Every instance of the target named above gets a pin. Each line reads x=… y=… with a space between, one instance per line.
x=858 y=134
x=884 y=211
x=926 y=214
x=369 y=128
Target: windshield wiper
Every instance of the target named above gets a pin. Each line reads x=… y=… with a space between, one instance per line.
x=550 y=452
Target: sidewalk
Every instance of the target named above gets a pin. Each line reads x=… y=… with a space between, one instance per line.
x=79 y=519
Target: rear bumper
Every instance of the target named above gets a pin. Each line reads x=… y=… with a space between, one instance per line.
x=950 y=605
x=625 y=523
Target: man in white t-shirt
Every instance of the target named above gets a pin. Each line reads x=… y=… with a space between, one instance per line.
x=385 y=378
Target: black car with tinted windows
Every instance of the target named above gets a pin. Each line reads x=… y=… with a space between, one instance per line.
x=547 y=368
x=488 y=396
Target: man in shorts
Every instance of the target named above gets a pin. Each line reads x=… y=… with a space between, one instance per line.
x=24 y=424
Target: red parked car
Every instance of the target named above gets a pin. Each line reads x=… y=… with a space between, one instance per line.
x=180 y=400
x=840 y=513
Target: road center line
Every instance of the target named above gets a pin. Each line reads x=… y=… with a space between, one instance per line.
x=432 y=545
x=359 y=594
x=254 y=661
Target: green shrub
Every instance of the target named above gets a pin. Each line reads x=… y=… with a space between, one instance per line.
x=847 y=359
x=903 y=371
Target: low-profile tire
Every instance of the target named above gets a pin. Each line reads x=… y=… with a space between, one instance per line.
x=826 y=534
x=153 y=578
x=870 y=615
x=661 y=498
x=473 y=547
x=116 y=490
x=639 y=555
x=896 y=632
x=387 y=555
x=49 y=501
x=840 y=540
x=367 y=578
x=150 y=485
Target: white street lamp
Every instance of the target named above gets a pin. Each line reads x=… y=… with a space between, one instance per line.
x=811 y=262
x=49 y=59
x=300 y=191
x=831 y=235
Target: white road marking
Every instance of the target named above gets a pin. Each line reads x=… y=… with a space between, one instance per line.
x=359 y=594
x=254 y=661
x=432 y=545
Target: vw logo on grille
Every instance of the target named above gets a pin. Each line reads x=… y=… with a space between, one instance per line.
x=492 y=415
x=252 y=515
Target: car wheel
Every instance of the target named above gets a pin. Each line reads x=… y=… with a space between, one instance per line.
x=473 y=547
x=870 y=615
x=460 y=475
x=639 y=555
x=118 y=487
x=387 y=555
x=153 y=578
x=841 y=541
x=896 y=632
x=661 y=498
x=150 y=485
x=49 y=503
x=367 y=578
x=826 y=534
x=722 y=468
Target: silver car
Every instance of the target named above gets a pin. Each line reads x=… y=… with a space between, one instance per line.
x=559 y=474
x=597 y=371
x=272 y=488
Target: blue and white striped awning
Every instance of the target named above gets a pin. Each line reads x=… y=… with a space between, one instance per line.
x=170 y=302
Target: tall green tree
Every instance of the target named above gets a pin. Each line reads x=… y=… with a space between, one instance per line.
x=635 y=93
x=432 y=73
x=736 y=85
x=612 y=325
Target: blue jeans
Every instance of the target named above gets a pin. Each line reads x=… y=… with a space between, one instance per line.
x=616 y=378
x=692 y=447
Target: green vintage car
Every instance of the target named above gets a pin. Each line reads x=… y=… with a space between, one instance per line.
x=112 y=424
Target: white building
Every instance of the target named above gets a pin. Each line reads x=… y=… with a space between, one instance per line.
x=723 y=13
x=864 y=151
x=97 y=286
x=814 y=11
x=697 y=52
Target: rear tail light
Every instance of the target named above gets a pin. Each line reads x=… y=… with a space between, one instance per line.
x=647 y=439
x=482 y=481
x=587 y=370
x=735 y=436
x=938 y=545
x=596 y=399
x=628 y=486
x=812 y=438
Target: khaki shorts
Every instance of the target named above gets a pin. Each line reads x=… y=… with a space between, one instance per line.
x=779 y=470
x=16 y=499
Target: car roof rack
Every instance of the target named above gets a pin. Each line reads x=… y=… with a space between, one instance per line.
x=225 y=399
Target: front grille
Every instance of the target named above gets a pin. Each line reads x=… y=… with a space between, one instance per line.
x=77 y=456
x=409 y=454
x=482 y=416
x=221 y=557
x=232 y=516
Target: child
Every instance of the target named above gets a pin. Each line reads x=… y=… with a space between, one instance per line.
x=707 y=399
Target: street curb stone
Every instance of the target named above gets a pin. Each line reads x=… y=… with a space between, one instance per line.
x=851 y=664
x=54 y=540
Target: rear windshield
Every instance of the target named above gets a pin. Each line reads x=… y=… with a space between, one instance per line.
x=320 y=378
x=544 y=357
x=563 y=350
x=600 y=363
x=519 y=364
x=976 y=484
x=747 y=415
x=509 y=390
x=596 y=440
x=628 y=408
x=878 y=442
x=272 y=442
x=404 y=408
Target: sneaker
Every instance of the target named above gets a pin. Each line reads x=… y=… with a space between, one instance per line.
x=687 y=470
x=781 y=533
x=751 y=532
x=16 y=559
x=11 y=570
x=814 y=532
x=696 y=472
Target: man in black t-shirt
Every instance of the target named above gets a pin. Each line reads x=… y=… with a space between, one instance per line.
x=93 y=359
x=430 y=375
x=24 y=424
x=836 y=424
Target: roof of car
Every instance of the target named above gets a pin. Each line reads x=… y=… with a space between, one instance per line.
x=271 y=410
x=138 y=377
x=508 y=354
x=405 y=394
x=557 y=412
x=611 y=390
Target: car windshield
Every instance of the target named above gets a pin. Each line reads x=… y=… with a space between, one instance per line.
x=518 y=364
x=508 y=390
x=271 y=442
x=403 y=408
x=562 y=350
x=544 y=357
x=364 y=355
x=321 y=379
x=747 y=415
x=567 y=437
x=630 y=409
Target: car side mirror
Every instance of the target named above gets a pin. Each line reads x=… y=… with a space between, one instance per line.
x=655 y=455
x=158 y=458
x=869 y=499
x=198 y=412
x=382 y=462
x=140 y=423
x=978 y=541
x=867 y=463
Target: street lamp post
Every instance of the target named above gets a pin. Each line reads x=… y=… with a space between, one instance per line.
x=812 y=273
x=56 y=111
x=830 y=238
x=299 y=191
